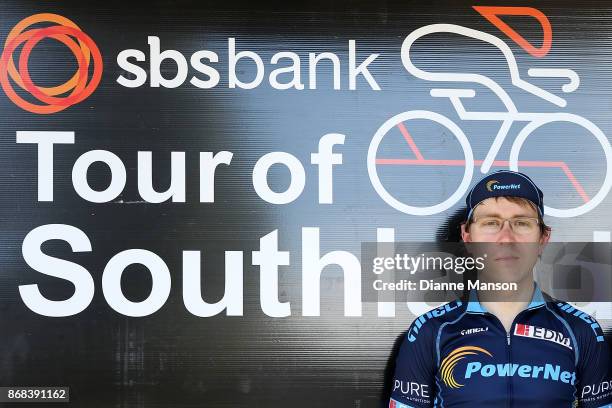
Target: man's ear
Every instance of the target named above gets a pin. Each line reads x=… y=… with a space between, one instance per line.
x=465 y=235
x=544 y=239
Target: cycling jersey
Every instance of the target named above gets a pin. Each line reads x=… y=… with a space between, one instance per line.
x=460 y=355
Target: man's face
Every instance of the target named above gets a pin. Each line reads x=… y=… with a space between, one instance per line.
x=511 y=254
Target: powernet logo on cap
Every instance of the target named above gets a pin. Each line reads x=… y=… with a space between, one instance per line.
x=493 y=185
x=56 y=98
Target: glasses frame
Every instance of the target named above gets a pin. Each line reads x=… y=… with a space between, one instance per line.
x=510 y=222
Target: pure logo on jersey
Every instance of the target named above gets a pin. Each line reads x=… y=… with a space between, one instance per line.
x=411 y=389
x=449 y=363
x=535 y=332
x=603 y=389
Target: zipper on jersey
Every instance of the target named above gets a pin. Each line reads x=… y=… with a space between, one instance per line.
x=509 y=355
x=509 y=399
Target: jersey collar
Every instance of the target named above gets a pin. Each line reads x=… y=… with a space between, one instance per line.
x=474 y=305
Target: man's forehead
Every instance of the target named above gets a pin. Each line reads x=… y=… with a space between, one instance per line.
x=502 y=207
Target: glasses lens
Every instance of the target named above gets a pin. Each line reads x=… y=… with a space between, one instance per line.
x=489 y=224
x=524 y=225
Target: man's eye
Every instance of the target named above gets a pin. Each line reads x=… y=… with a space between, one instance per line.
x=490 y=223
x=524 y=223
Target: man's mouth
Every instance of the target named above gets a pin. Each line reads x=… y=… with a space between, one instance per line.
x=506 y=258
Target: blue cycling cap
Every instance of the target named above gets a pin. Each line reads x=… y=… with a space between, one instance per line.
x=504 y=183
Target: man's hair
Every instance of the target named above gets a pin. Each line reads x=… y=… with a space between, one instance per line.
x=523 y=202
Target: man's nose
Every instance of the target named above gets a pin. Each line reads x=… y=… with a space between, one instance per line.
x=506 y=234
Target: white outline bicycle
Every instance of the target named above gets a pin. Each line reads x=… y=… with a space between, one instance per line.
x=535 y=120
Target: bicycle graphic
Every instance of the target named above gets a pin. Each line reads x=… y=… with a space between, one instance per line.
x=507 y=118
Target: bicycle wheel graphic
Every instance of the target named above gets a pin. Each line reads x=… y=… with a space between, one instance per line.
x=590 y=203
x=388 y=196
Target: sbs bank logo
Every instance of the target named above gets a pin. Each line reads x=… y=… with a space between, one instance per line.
x=56 y=98
x=449 y=363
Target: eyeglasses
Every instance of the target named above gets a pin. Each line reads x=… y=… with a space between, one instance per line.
x=518 y=225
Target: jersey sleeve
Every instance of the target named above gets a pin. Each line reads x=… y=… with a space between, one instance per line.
x=413 y=382
x=594 y=371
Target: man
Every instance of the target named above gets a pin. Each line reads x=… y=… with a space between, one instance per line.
x=516 y=348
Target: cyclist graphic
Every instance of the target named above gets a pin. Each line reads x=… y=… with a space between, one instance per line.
x=507 y=118
x=506 y=348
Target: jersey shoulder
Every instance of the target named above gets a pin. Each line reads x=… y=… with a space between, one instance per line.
x=581 y=323
x=427 y=324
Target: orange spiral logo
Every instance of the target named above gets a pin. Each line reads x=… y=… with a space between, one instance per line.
x=448 y=364
x=77 y=88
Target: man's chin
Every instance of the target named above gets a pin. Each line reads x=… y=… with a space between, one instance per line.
x=504 y=273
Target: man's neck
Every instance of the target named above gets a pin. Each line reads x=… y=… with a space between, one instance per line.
x=507 y=304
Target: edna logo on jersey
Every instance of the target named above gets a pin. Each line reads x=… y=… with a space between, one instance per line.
x=541 y=333
x=56 y=98
x=473 y=369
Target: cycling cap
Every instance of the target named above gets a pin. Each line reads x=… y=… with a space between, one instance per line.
x=504 y=183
